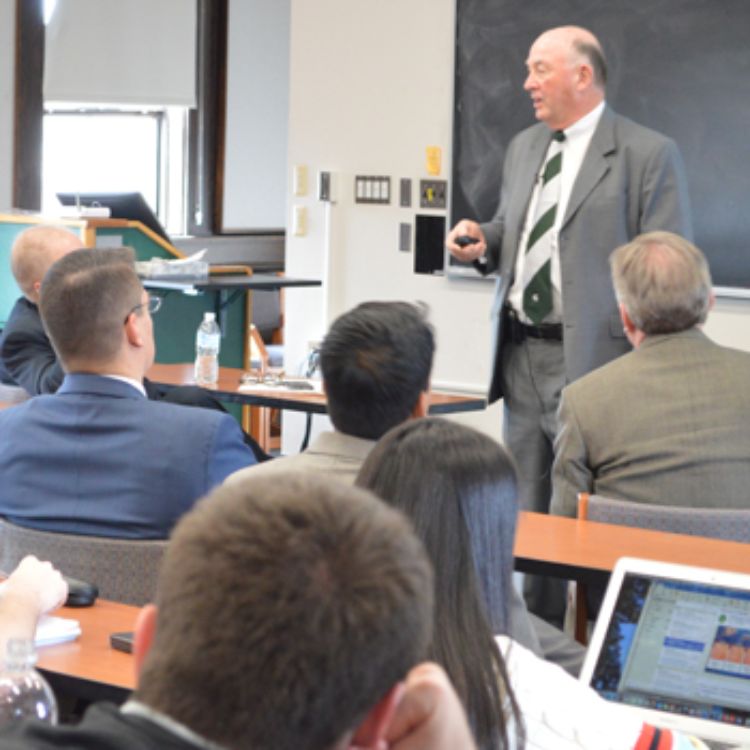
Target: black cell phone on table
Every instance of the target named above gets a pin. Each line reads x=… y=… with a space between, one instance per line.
x=122 y=641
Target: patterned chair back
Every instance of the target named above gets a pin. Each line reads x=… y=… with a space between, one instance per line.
x=729 y=524
x=123 y=570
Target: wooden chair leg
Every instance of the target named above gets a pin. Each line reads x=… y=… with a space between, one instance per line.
x=260 y=426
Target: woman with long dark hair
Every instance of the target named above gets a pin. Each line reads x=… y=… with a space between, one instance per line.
x=459 y=488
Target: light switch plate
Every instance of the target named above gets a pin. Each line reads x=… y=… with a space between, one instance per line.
x=405 y=193
x=404 y=237
x=432 y=193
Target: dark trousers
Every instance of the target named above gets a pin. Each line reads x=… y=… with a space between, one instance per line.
x=533 y=372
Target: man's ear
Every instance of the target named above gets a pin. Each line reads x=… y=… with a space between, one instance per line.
x=627 y=323
x=133 y=331
x=145 y=629
x=373 y=727
x=422 y=406
x=585 y=75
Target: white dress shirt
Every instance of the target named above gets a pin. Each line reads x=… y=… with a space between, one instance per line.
x=574 y=147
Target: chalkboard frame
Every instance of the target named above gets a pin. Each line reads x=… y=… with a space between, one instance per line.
x=679 y=68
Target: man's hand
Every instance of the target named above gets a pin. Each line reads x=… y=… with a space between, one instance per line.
x=429 y=715
x=467 y=252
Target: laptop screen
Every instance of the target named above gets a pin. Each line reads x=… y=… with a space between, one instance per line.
x=681 y=647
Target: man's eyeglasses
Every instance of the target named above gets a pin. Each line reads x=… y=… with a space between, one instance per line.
x=153 y=305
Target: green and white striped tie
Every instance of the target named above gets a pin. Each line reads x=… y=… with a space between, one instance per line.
x=537 y=268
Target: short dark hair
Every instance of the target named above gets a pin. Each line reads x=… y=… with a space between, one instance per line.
x=459 y=488
x=376 y=360
x=288 y=606
x=85 y=297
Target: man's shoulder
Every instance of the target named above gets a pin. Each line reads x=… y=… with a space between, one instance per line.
x=333 y=453
x=603 y=379
x=628 y=130
x=103 y=727
x=527 y=136
x=661 y=354
x=190 y=421
x=23 y=316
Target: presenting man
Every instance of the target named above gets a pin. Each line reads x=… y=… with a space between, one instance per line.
x=98 y=457
x=578 y=184
x=668 y=422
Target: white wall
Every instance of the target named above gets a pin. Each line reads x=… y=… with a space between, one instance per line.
x=7 y=97
x=371 y=85
x=370 y=88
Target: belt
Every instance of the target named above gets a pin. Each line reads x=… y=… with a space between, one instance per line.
x=519 y=331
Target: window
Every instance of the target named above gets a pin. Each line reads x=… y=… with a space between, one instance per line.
x=93 y=150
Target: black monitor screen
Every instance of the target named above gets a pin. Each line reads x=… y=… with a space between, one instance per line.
x=131 y=206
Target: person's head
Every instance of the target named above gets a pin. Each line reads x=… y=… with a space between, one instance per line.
x=459 y=489
x=96 y=313
x=288 y=608
x=567 y=75
x=34 y=251
x=662 y=284
x=376 y=361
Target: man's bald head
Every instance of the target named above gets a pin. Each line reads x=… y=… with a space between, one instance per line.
x=582 y=46
x=567 y=75
x=34 y=251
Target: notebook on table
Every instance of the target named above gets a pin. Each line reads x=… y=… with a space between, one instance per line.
x=672 y=643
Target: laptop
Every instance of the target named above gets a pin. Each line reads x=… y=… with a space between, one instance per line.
x=672 y=643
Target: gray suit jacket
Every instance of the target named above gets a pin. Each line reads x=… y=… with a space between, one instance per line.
x=631 y=181
x=668 y=423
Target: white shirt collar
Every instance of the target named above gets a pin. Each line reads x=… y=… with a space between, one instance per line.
x=136 y=708
x=587 y=123
x=137 y=384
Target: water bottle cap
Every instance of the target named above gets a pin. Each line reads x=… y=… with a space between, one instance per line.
x=209 y=316
x=20 y=653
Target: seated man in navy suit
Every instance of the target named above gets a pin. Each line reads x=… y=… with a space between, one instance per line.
x=98 y=457
x=26 y=357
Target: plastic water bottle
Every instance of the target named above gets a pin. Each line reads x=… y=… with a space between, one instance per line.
x=207 y=342
x=24 y=693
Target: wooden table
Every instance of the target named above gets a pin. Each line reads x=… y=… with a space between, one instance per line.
x=587 y=551
x=580 y=550
x=304 y=401
x=89 y=667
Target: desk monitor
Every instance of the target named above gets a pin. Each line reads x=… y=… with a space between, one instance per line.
x=131 y=206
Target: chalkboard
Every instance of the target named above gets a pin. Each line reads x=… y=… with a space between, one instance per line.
x=681 y=67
